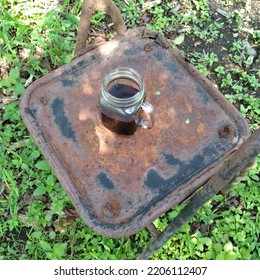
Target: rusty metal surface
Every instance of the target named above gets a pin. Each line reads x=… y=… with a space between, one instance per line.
x=237 y=162
x=119 y=184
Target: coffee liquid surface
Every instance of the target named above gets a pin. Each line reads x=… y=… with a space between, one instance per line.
x=120 y=127
x=122 y=91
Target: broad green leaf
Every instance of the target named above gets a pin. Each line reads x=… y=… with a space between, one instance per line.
x=200 y=247
x=19 y=89
x=179 y=39
x=59 y=250
x=14 y=73
x=206 y=240
x=40 y=190
x=50 y=180
x=52 y=234
x=45 y=246
x=221 y=256
x=35 y=154
x=43 y=165
x=37 y=234
x=48 y=217
x=218 y=247
x=231 y=256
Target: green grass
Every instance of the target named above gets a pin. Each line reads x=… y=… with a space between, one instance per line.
x=36 y=38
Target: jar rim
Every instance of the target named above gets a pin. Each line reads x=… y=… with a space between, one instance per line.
x=123 y=73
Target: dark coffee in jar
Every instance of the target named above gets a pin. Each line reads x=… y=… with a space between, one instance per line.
x=123 y=91
x=120 y=127
x=123 y=103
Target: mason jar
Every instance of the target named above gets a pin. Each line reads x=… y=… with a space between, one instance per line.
x=122 y=102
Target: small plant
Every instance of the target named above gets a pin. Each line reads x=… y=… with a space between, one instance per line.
x=203 y=61
x=238 y=45
x=249 y=106
x=13 y=83
x=227 y=81
x=220 y=70
x=131 y=10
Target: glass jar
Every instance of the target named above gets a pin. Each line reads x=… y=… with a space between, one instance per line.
x=122 y=102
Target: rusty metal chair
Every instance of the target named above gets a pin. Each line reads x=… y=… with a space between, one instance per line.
x=121 y=184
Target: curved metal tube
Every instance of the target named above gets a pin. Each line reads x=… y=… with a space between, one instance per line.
x=88 y=8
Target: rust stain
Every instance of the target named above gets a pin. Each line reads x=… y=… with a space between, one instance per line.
x=189 y=107
x=200 y=128
x=226 y=131
x=147 y=48
x=111 y=209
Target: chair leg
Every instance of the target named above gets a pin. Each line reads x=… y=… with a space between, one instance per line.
x=237 y=178
x=153 y=230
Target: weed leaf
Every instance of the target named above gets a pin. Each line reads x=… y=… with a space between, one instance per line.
x=40 y=191
x=59 y=250
x=45 y=246
x=43 y=165
x=179 y=40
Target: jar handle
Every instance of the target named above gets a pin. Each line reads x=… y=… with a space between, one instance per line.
x=145 y=116
x=88 y=8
